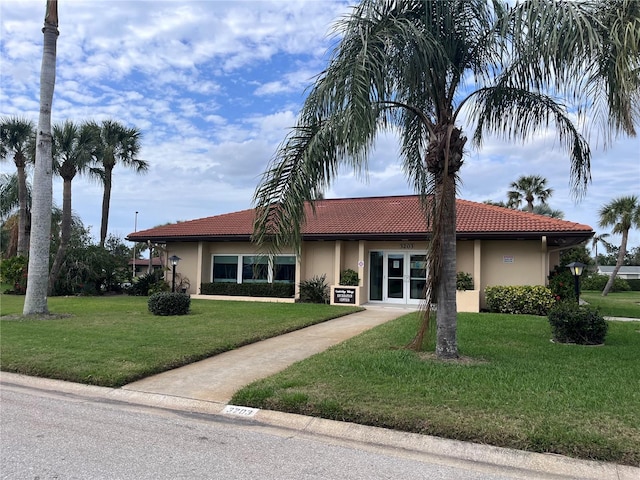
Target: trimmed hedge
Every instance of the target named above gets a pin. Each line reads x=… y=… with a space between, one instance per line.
x=277 y=290
x=571 y=323
x=525 y=299
x=634 y=284
x=169 y=303
x=598 y=282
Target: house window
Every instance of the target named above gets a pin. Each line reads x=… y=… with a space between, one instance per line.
x=225 y=268
x=284 y=269
x=254 y=268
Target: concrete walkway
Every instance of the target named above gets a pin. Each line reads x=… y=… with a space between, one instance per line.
x=216 y=379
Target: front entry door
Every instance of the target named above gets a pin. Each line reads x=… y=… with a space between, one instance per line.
x=404 y=277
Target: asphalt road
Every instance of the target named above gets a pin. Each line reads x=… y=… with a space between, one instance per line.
x=50 y=435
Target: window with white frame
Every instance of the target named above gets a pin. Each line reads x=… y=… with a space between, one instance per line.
x=253 y=268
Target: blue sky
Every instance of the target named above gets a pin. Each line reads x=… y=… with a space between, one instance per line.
x=214 y=87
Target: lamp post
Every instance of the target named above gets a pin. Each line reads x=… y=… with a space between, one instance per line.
x=576 y=270
x=174 y=261
x=135 y=229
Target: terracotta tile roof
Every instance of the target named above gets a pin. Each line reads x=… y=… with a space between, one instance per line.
x=375 y=216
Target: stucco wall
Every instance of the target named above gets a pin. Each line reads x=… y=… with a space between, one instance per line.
x=317 y=259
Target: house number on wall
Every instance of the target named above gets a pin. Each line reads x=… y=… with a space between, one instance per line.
x=406 y=246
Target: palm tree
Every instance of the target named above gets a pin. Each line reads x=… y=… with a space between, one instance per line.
x=594 y=244
x=35 y=301
x=74 y=147
x=528 y=189
x=118 y=144
x=16 y=138
x=413 y=66
x=546 y=210
x=9 y=217
x=622 y=214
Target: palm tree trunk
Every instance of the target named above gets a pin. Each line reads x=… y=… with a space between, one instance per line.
x=619 y=262
x=65 y=235
x=446 y=340
x=106 y=200
x=35 y=301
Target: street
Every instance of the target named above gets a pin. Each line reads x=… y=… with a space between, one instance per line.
x=49 y=435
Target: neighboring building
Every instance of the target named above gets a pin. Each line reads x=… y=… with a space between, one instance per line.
x=384 y=239
x=625 y=272
x=142 y=265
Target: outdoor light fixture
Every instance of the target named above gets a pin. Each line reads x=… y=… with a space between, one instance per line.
x=576 y=269
x=174 y=259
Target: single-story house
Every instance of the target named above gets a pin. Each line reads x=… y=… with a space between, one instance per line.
x=384 y=239
x=141 y=265
x=626 y=272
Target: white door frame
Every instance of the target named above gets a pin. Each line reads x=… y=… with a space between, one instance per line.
x=404 y=279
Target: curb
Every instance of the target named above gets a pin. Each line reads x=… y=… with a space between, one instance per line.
x=487 y=458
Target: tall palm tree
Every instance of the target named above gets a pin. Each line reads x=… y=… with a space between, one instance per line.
x=74 y=148
x=118 y=144
x=622 y=214
x=415 y=66
x=35 y=301
x=16 y=139
x=528 y=189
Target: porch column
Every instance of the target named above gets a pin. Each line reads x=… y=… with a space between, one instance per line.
x=199 y=267
x=544 y=259
x=337 y=262
x=477 y=264
x=362 y=260
x=296 y=291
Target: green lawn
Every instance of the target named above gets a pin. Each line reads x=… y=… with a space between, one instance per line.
x=112 y=341
x=617 y=304
x=515 y=388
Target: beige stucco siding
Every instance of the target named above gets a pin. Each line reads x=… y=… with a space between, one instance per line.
x=318 y=259
x=512 y=263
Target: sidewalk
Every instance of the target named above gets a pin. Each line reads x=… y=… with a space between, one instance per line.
x=216 y=379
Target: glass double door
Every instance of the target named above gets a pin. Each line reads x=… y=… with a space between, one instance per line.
x=402 y=276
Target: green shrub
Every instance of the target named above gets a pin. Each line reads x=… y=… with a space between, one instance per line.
x=349 y=277
x=314 y=290
x=169 y=303
x=464 y=281
x=271 y=290
x=562 y=284
x=598 y=282
x=572 y=323
x=634 y=284
x=525 y=299
x=147 y=284
x=13 y=270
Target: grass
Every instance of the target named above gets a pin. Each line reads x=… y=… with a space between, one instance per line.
x=112 y=341
x=514 y=388
x=617 y=304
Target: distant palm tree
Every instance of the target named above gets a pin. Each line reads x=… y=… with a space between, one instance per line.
x=74 y=148
x=547 y=211
x=35 y=300
x=9 y=212
x=622 y=214
x=528 y=189
x=594 y=244
x=17 y=139
x=118 y=144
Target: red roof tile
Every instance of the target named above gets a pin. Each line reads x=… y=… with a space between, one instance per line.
x=371 y=216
